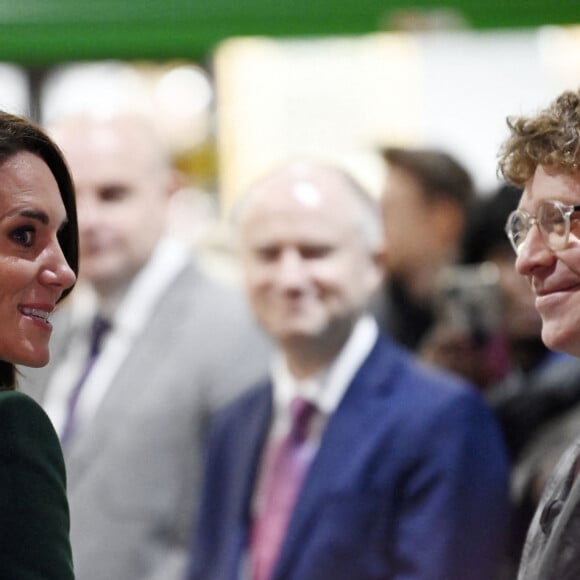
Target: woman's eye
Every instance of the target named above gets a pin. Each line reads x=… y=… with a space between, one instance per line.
x=23 y=236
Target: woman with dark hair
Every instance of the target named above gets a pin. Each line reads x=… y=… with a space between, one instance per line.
x=38 y=267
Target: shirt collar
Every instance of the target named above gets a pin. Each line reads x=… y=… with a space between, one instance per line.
x=327 y=388
x=136 y=307
x=168 y=258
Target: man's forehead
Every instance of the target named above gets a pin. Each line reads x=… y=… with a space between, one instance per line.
x=299 y=218
x=309 y=187
x=303 y=203
x=551 y=183
x=113 y=133
x=306 y=193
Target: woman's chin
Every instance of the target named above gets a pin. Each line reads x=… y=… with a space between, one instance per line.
x=34 y=360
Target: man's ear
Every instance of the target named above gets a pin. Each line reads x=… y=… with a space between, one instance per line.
x=176 y=181
x=379 y=267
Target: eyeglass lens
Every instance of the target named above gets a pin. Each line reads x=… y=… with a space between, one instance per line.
x=552 y=220
x=553 y=225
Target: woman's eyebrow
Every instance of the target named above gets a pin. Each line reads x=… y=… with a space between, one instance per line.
x=34 y=214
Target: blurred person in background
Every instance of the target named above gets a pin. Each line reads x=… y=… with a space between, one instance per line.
x=144 y=356
x=531 y=388
x=38 y=267
x=424 y=201
x=351 y=460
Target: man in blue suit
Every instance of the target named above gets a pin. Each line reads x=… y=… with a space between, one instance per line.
x=407 y=473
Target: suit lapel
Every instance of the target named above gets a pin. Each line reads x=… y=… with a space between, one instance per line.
x=251 y=445
x=251 y=432
x=346 y=433
x=129 y=384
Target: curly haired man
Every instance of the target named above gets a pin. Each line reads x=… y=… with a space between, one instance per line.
x=542 y=155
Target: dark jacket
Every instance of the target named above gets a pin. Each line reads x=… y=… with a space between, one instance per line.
x=34 y=516
x=410 y=481
x=552 y=549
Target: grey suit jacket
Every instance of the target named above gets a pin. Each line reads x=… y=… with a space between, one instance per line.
x=552 y=549
x=134 y=472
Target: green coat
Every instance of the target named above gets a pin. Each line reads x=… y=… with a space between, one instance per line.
x=34 y=517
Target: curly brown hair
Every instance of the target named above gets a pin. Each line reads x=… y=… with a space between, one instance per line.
x=551 y=137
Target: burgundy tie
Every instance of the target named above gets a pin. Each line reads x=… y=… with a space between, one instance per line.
x=286 y=463
x=99 y=328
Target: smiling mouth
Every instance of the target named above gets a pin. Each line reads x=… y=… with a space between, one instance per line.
x=556 y=290
x=35 y=313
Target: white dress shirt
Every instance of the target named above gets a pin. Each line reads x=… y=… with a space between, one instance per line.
x=325 y=391
x=327 y=388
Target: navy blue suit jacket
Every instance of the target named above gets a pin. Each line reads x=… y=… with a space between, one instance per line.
x=410 y=482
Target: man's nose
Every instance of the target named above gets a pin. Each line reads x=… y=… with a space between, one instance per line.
x=533 y=253
x=290 y=268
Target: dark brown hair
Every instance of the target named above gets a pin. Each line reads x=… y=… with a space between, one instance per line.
x=440 y=175
x=18 y=134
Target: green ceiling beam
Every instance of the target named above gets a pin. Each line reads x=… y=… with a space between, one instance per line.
x=49 y=31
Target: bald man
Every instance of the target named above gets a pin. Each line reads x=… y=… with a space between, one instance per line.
x=393 y=471
x=174 y=346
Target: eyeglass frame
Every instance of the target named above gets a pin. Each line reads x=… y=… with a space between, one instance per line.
x=566 y=210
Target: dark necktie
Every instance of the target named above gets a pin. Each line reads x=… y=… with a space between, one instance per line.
x=99 y=328
x=286 y=464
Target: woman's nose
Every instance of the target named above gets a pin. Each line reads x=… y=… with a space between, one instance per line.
x=55 y=270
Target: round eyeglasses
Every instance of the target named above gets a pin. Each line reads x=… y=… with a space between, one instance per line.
x=552 y=219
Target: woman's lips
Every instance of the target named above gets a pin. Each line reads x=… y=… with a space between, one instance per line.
x=39 y=314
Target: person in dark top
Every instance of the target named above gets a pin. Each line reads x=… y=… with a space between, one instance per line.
x=38 y=267
x=424 y=204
